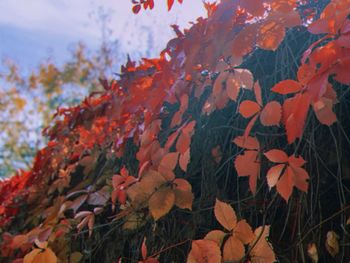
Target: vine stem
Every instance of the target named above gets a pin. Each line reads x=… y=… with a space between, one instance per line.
x=170 y=247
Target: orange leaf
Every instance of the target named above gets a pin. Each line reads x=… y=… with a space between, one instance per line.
x=250 y=126
x=250 y=143
x=37 y=255
x=312 y=252
x=243 y=232
x=161 y=202
x=248 y=164
x=168 y=164
x=300 y=177
x=276 y=156
x=248 y=108
x=285 y=185
x=274 y=174
x=270 y=35
x=271 y=114
x=323 y=110
x=217 y=236
x=296 y=161
x=184 y=160
x=233 y=249
x=204 y=251
x=183 y=194
x=261 y=251
x=287 y=87
x=183 y=142
x=225 y=214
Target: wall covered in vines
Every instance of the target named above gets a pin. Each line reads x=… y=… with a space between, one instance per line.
x=232 y=146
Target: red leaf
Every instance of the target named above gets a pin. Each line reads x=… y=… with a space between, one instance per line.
x=254 y=7
x=274 y=174
x=287 y=87
x=170 y=4
x=250 y=126
x=248 y=108
x=294 y=115
x=285 y=185
x=271 y=114
x=296 y=161
x=276 y=156
x=144 y=249
x=300 y=177
x=136 y=9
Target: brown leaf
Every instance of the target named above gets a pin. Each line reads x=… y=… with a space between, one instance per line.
x=217 y=236
x=225 y=214
x=161 y=202
x=312 y=252
x=183 y=194
x=233 y=249
x=204 y=251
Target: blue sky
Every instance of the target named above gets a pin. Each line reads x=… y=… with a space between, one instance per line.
x=32 y=30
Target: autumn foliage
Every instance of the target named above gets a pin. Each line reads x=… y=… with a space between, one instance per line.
x=232 y=146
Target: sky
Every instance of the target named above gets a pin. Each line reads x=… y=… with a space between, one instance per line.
x=33 y=30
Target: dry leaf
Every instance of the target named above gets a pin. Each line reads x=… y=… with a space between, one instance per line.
x=161 y=202
x=332 y=244
x=204 y=251
x=225 y=214
x=312 y=252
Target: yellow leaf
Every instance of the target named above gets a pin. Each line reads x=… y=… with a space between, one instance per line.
x=75 y=257
x=19 y=103
x=161 y=202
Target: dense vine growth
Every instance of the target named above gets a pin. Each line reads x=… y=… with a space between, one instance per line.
x=232 y=146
